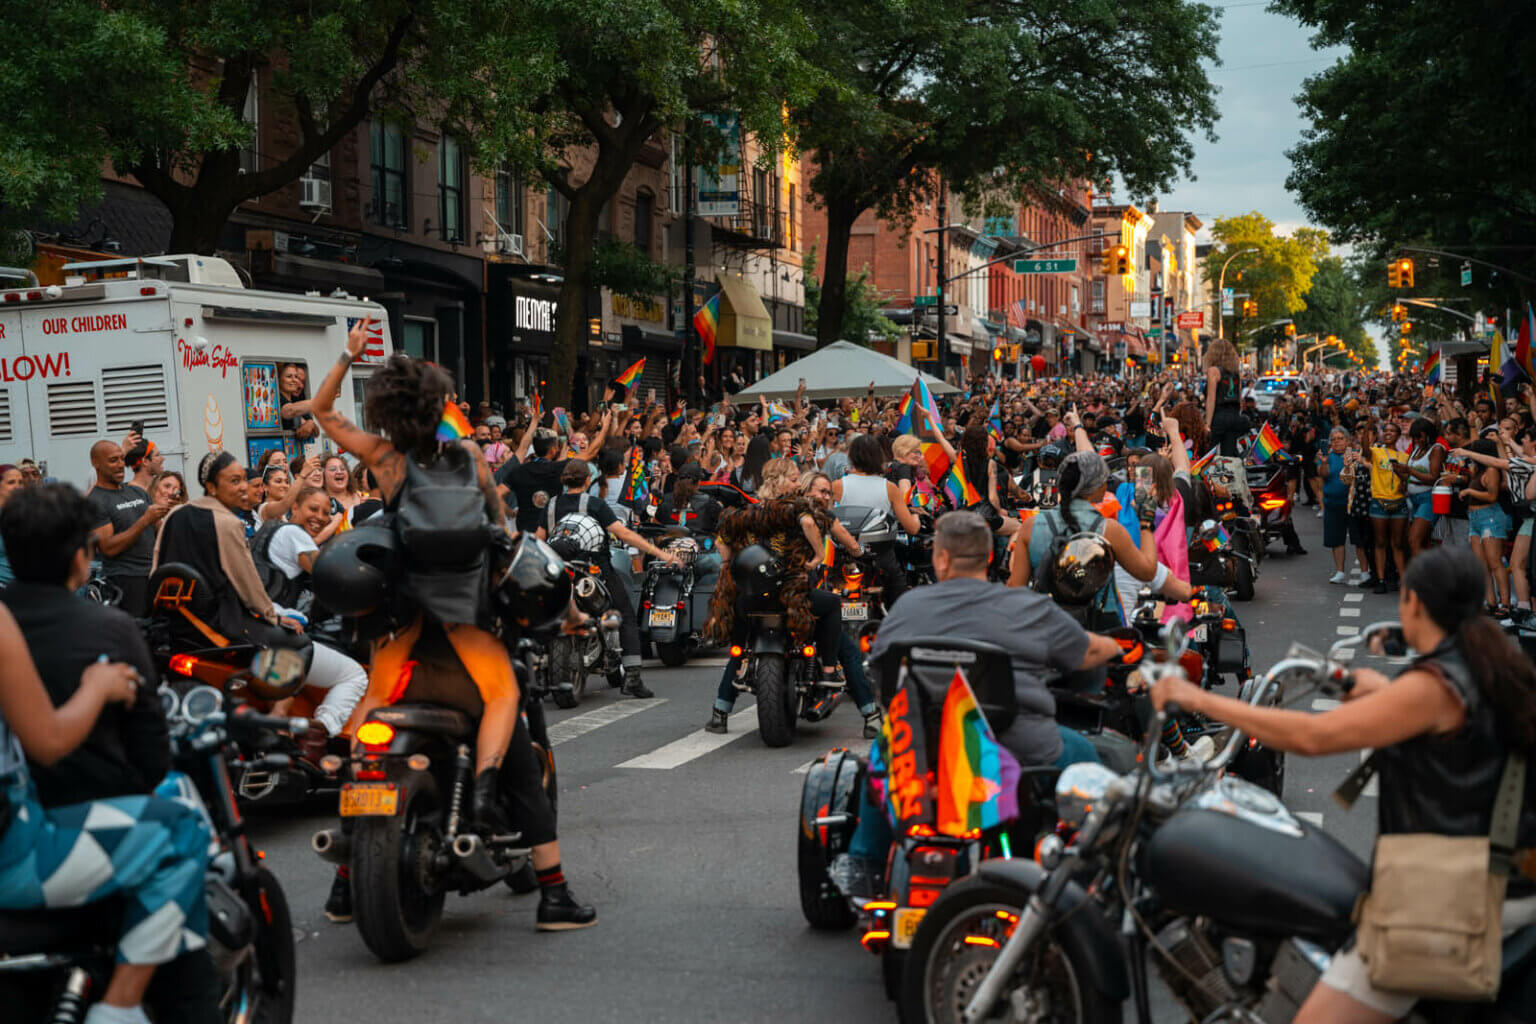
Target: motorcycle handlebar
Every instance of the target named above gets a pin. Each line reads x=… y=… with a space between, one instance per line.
x=253 y=720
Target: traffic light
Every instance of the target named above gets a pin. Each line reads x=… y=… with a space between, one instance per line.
x=1400 y=273
x=1290 y=330
x=1405 y=328
x=1107 y=259
x=1122 y=260
x=923 y=351
x=1250 y=307
x=1399 y=312
x=997 y=354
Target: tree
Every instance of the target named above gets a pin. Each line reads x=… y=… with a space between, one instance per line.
x=863 y=315
x=1417 y=133
x=990 y=92
x=623 y=72
x=1276 y=276
x=167 y=108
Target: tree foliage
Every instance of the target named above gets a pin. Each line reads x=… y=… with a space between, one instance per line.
x=864 y=318
x=1423 y=132
x=977 y=91
x=1276 y=276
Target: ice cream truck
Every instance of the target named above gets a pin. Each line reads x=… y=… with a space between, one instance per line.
x=177 y=344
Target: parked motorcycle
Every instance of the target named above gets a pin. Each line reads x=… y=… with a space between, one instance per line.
x=69 y=953
x=674 y=598
x=1242 y=902
x=785 y=678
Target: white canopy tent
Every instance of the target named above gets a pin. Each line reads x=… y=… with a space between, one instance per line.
x=842 y=370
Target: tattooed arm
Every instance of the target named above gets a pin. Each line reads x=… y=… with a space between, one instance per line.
x=494 y=506
x=386 y=464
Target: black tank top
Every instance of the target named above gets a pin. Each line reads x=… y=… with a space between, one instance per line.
x=1229 y=389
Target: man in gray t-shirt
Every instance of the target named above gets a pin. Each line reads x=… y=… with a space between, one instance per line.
x=1042 y=638
x=125 y=527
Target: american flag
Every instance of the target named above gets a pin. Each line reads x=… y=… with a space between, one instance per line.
x=1016 y=314
x=374 y=350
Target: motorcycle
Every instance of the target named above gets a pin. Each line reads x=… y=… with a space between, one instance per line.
x=673 y=606
x=786 y=679
x=594 y=647
x=1223 y=559
x=1242 y=902
x=857 y=580
x=250 y=938
x=1272 y=502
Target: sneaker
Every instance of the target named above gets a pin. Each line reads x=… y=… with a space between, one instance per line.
x=855 y=877
x=1339 y=577
x=718 y=722
x=338 y=906
x=1296 y=549
x=634 y=687
x=1367 y=582
x=1380 y=587
x=872 y=723
x=1200 y=751
x=1319 y=513
x=559 y=911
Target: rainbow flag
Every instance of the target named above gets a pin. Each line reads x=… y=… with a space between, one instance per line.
x=923 y=397
x=629 y=376
x=562 y=421
x=454 y=426
x=635 y=490
x=995 y=423
x=1221 y=540
x=958 y=489
x=676 y=419
x=1432 y=368
x=936 y=460
x=778 y=413
x=904 y=421
x=536 y=406
x=706 y=324
x=978 y=781
x=1199 y=465
x=1266 y=446
x=828 y=550
x=919 y=498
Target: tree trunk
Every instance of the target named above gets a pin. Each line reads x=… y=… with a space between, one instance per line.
x=197 y=218
x=841 y=213
x=571 y=322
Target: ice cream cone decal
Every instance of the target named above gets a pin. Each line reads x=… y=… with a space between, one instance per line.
x=213 y=425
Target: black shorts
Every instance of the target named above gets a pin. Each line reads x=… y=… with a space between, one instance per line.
x=522 y=788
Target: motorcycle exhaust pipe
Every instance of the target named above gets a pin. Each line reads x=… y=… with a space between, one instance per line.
x=475 y=859
x=332 y=845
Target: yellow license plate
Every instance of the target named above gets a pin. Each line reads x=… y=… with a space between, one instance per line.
x=905 y=927
x=377 y=798
x=663 y=618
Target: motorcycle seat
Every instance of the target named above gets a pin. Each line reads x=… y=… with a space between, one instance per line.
x=63 y=930
x=433 y=718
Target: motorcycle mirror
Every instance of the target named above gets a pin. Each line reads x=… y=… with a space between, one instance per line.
x=278 y=666
x=1176 y=636
x=1208 y=528
x=1385 y=640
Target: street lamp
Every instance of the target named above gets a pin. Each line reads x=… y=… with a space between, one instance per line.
x=1221 y=284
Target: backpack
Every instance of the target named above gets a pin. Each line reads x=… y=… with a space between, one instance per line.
x=274 y=581
x=441 y=519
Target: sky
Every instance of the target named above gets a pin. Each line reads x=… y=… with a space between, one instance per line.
x=1264 y=57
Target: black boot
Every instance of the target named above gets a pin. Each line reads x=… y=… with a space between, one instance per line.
x=489 y=818
x=338 y=906
x=633 y=685
x=718 y=721
x=559 y=911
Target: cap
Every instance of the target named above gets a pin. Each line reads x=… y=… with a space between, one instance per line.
x=691 y=471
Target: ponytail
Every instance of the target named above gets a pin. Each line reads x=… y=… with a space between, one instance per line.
x=1066 y=484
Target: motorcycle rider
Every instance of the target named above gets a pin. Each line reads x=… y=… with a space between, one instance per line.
x=1442 y=730
x=689 y=507
x=574 y=479
x=865 y=484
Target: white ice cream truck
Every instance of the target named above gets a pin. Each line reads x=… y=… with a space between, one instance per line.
x=175 y=342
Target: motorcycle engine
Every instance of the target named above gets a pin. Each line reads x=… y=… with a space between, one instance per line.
x=1195 y=976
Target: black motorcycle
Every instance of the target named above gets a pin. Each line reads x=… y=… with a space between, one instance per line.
x=1237 y=903
x=52 y=960
x=674 y=600
x=785 y=677
x=856 y=579
x=593 y=647
x=1223 y=557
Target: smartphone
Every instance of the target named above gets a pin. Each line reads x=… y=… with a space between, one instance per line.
x=1143 y=477
x=136 y=427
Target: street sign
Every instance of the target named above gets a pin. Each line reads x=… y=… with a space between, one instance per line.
x=1155 y=331
x=1066 y=265
x=1466 y=275
x=922 y=308
x=925 y=300
x=1191 y=321
x=1141 y=309
x=1228 y=295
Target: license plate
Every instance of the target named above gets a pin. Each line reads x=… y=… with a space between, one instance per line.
x=904 y=928
x=856 y=611
x=663 y=618
x=369 y=798
x=1199 y=634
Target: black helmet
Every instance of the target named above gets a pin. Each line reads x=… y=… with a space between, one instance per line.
x=535 y=590
x=756 y=572
x=1051 y=455
x=1083 y=566
x=355 y=570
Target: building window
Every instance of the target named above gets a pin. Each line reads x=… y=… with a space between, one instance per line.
x=1077 y=303
x=387 y=162
x=556 y=207
x=509 y=202
x=794 y=233
x=762 y=203
x=677 y=174
x=250 y=153
x=1098 y=296
x=644 y=207
x=450 y=188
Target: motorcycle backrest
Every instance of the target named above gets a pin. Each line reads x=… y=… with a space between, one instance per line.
x=869 y=525
x=178 y=585
x=931 y=663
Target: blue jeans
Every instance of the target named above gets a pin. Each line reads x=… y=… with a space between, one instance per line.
x=847 y=656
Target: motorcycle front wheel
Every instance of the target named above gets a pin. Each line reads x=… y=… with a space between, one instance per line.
x=1243 y=586
x=567 y=672
x=673 y=654
x=396 y=900
x=956 y=944
x=262 y=991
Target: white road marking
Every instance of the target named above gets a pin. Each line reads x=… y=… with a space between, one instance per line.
x=805 y=768
x=695 y=744
x=1371 y=788
x=1349 y=613
x=1347 y=630
x=1354 y=597
x=1314 y=817
x=1324 y=704
x=1345 y=653
x=579 y=725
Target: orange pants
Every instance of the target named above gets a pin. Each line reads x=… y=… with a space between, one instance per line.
x=484 y=657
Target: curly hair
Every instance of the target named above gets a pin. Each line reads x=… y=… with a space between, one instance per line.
x=404 y=401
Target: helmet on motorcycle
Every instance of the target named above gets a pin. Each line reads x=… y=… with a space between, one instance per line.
x=577 y=534
x=1082 y=568
x=355 y=570
x=535 y=589
x=756 y=572
x=1051 y=455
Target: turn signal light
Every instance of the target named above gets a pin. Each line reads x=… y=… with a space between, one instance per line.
x=1270 y=504
x=866 y=643
x=183 y=665
x=375 y=734
x=737 y=650
x=981 y=940
x=1228 y=625
x=920 y=830
x=870 y=938
x=809 y=650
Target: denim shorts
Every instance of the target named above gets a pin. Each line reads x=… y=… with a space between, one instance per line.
x=1490 y=522
x=1390 y=509
x=1422 y=506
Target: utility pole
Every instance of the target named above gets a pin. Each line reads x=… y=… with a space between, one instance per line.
x=942 y=344
x=693 y=366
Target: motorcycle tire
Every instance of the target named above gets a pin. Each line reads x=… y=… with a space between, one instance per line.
x=565 y=666
x=394 y=915
x=776 y=722
x=942 y=971
x=270 y=974
x=672 y=654
x=1242 y=590
x=825 y=908
x=893 y=966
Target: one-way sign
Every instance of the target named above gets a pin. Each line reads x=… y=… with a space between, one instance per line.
x=924 y=308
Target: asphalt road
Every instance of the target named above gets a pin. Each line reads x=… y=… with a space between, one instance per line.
x=686 y=844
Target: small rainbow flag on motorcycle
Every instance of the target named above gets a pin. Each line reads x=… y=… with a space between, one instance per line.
x=828 y=550
x=635 y=490
x=629 y=376
x=1266 y=446
x=1218 y=540
x=454 y=426
x=1199 y=465
x=978 y=781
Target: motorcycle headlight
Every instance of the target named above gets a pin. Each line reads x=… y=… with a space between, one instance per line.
x=200 y=702
x=1078 y=788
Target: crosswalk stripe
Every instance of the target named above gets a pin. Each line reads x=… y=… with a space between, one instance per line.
x=579 y=725
x=1348 y=630
x=1349 y=613
x=695 y=744
x=1354 y=597
x=1315 y=817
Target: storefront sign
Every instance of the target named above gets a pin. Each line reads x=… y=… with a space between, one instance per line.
x=638 y=309
x=1191 y=321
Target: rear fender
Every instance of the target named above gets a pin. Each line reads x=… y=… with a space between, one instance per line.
x=829 y=801
x=1082 y=929
x=763 y=638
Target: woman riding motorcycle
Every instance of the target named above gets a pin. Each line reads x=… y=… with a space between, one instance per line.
x=152 y=851
x=1442 y=730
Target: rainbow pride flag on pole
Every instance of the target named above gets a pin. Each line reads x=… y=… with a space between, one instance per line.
x=958 y=489
x=1432 y=368
x=978 y=781
x=454 y=426
x=706 y=323
x=995 y=423
x=676 y=419
x=1199 y=465
x=635 y=490
x=629 y=376
x=1266 y=446
x=921 y=396
x=904 y=420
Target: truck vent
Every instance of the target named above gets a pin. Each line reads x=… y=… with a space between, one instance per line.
x=72 y=409
x=135 y=393
x=5 y=415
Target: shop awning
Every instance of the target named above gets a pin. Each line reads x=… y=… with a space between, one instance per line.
x=744 y=320
x=794 y=341
x=650 y=339
x=843 y=370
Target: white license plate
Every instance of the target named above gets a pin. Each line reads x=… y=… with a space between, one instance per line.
x=1198 y=634
x=904 y=927
x=855 y=611
x=663 y=618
